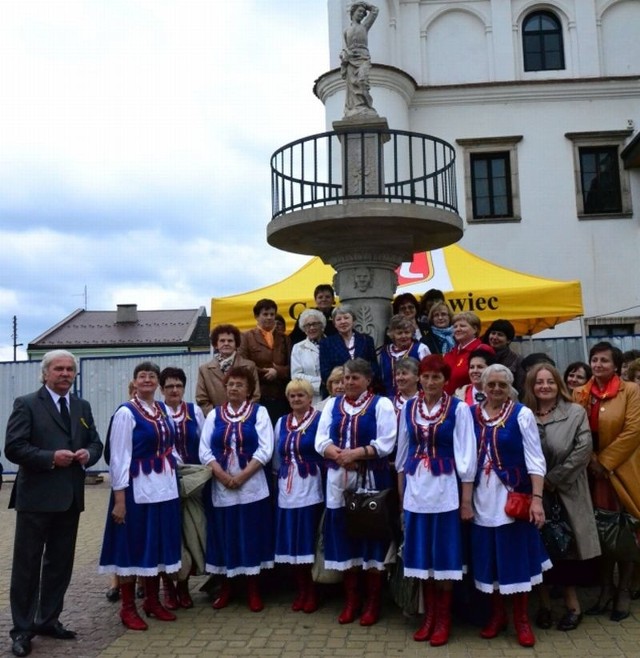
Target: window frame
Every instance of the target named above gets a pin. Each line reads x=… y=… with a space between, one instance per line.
x=610 y=139
x=488 y=146
x=541 y=35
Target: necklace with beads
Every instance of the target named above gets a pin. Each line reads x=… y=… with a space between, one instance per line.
x=291 y=419
x=358 y=402
x=422 y=405
x=232 y=416
x=542 y=414
x=499 y=418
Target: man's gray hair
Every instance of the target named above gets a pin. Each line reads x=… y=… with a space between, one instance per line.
x=50 y=356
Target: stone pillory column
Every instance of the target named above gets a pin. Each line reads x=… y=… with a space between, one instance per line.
x=333 y=197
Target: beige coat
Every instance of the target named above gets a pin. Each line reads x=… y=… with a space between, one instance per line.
x=255 y=348
x=210 y=390
x=567 y=446
x=619 y=441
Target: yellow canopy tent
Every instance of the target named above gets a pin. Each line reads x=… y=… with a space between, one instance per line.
x=470 y=283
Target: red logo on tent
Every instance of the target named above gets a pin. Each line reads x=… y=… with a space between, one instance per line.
x=418 y=270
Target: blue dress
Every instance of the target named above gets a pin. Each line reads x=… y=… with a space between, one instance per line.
x=300 y=494
x=149 y=540
x=507 y=554
x=239 y=521
x=436 y=453
x=371 y=423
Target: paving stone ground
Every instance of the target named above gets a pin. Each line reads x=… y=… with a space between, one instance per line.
x=275 y=632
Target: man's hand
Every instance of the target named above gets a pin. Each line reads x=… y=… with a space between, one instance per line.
x=63 y=458
x=81 y=456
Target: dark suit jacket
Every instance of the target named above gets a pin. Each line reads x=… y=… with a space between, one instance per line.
x=254 y=348
x=210 y=390
x=34 y=432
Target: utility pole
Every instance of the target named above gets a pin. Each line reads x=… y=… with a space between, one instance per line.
x=14 y=335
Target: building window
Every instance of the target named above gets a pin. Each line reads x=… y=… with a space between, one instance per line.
x=602 y=185
x=491 y=178
x=491 y=185
x=542 y=42
x=600 y=178
x=611 y=330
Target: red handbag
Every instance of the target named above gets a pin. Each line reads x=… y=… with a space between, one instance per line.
x=518 y=505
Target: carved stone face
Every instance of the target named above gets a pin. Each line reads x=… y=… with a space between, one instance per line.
x=358 y=13
x=362 y=279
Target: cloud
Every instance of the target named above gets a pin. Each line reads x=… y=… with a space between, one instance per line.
x=135 y=148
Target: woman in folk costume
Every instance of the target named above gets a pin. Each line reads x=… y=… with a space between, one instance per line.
x=300 y=497
x=436 y=452
x=357 y=432
x=508 y=555
x=142 y=533
x=188 y=421
x=402 y=345
x=613 y=409
x=237 y=443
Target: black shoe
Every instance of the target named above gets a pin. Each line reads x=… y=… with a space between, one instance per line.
x=599 y=608
x=113 y=594
x=543 y=618
x=570 y=621
x=621 y=606
x=58 y=632
x=21 y=645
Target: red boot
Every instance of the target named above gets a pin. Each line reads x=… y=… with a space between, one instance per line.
x=151 y=604
x=521 y=620
x=255 y=600
x=498 y=621
x=442 y=626
x=128 y=612
x=371 y=611
x=169 y=599
x=351 y=598
x=224 y=595
x=300 y=578
x=182 y=594
x=311 y=598
x=429 y=597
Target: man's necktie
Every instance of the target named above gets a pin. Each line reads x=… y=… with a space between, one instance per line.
x=64 y=412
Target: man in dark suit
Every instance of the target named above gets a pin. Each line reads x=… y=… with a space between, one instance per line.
x=52 y=437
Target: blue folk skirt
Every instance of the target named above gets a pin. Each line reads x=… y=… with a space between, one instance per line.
x=296 y=534
x=342 y=552
x=433 y=546
x=147 y=543
x=509 y=558
x=240 y=539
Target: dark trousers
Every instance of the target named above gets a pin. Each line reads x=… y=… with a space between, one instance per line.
x=43 y=553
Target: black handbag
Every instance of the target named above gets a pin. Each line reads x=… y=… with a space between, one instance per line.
x=618 y=533
x=557 y=534
x=371 y=514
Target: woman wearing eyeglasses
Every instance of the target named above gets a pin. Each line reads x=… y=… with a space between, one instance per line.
x=305 y=355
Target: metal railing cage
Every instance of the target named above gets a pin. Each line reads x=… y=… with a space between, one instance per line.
x=410 y=168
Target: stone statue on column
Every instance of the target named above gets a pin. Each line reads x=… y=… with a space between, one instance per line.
x=356 y=61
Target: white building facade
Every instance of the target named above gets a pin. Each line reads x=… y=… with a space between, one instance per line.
x=542 y=103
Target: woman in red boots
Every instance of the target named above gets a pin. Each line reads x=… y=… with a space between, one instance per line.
x=508 y=556
x=436 y=451
x=356 y=433
x=236 y=444
x=300 y=497
x=143 y=530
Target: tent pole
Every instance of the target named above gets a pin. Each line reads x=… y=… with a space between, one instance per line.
x=583 y=336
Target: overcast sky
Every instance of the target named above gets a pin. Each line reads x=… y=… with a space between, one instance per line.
x=135 y=138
